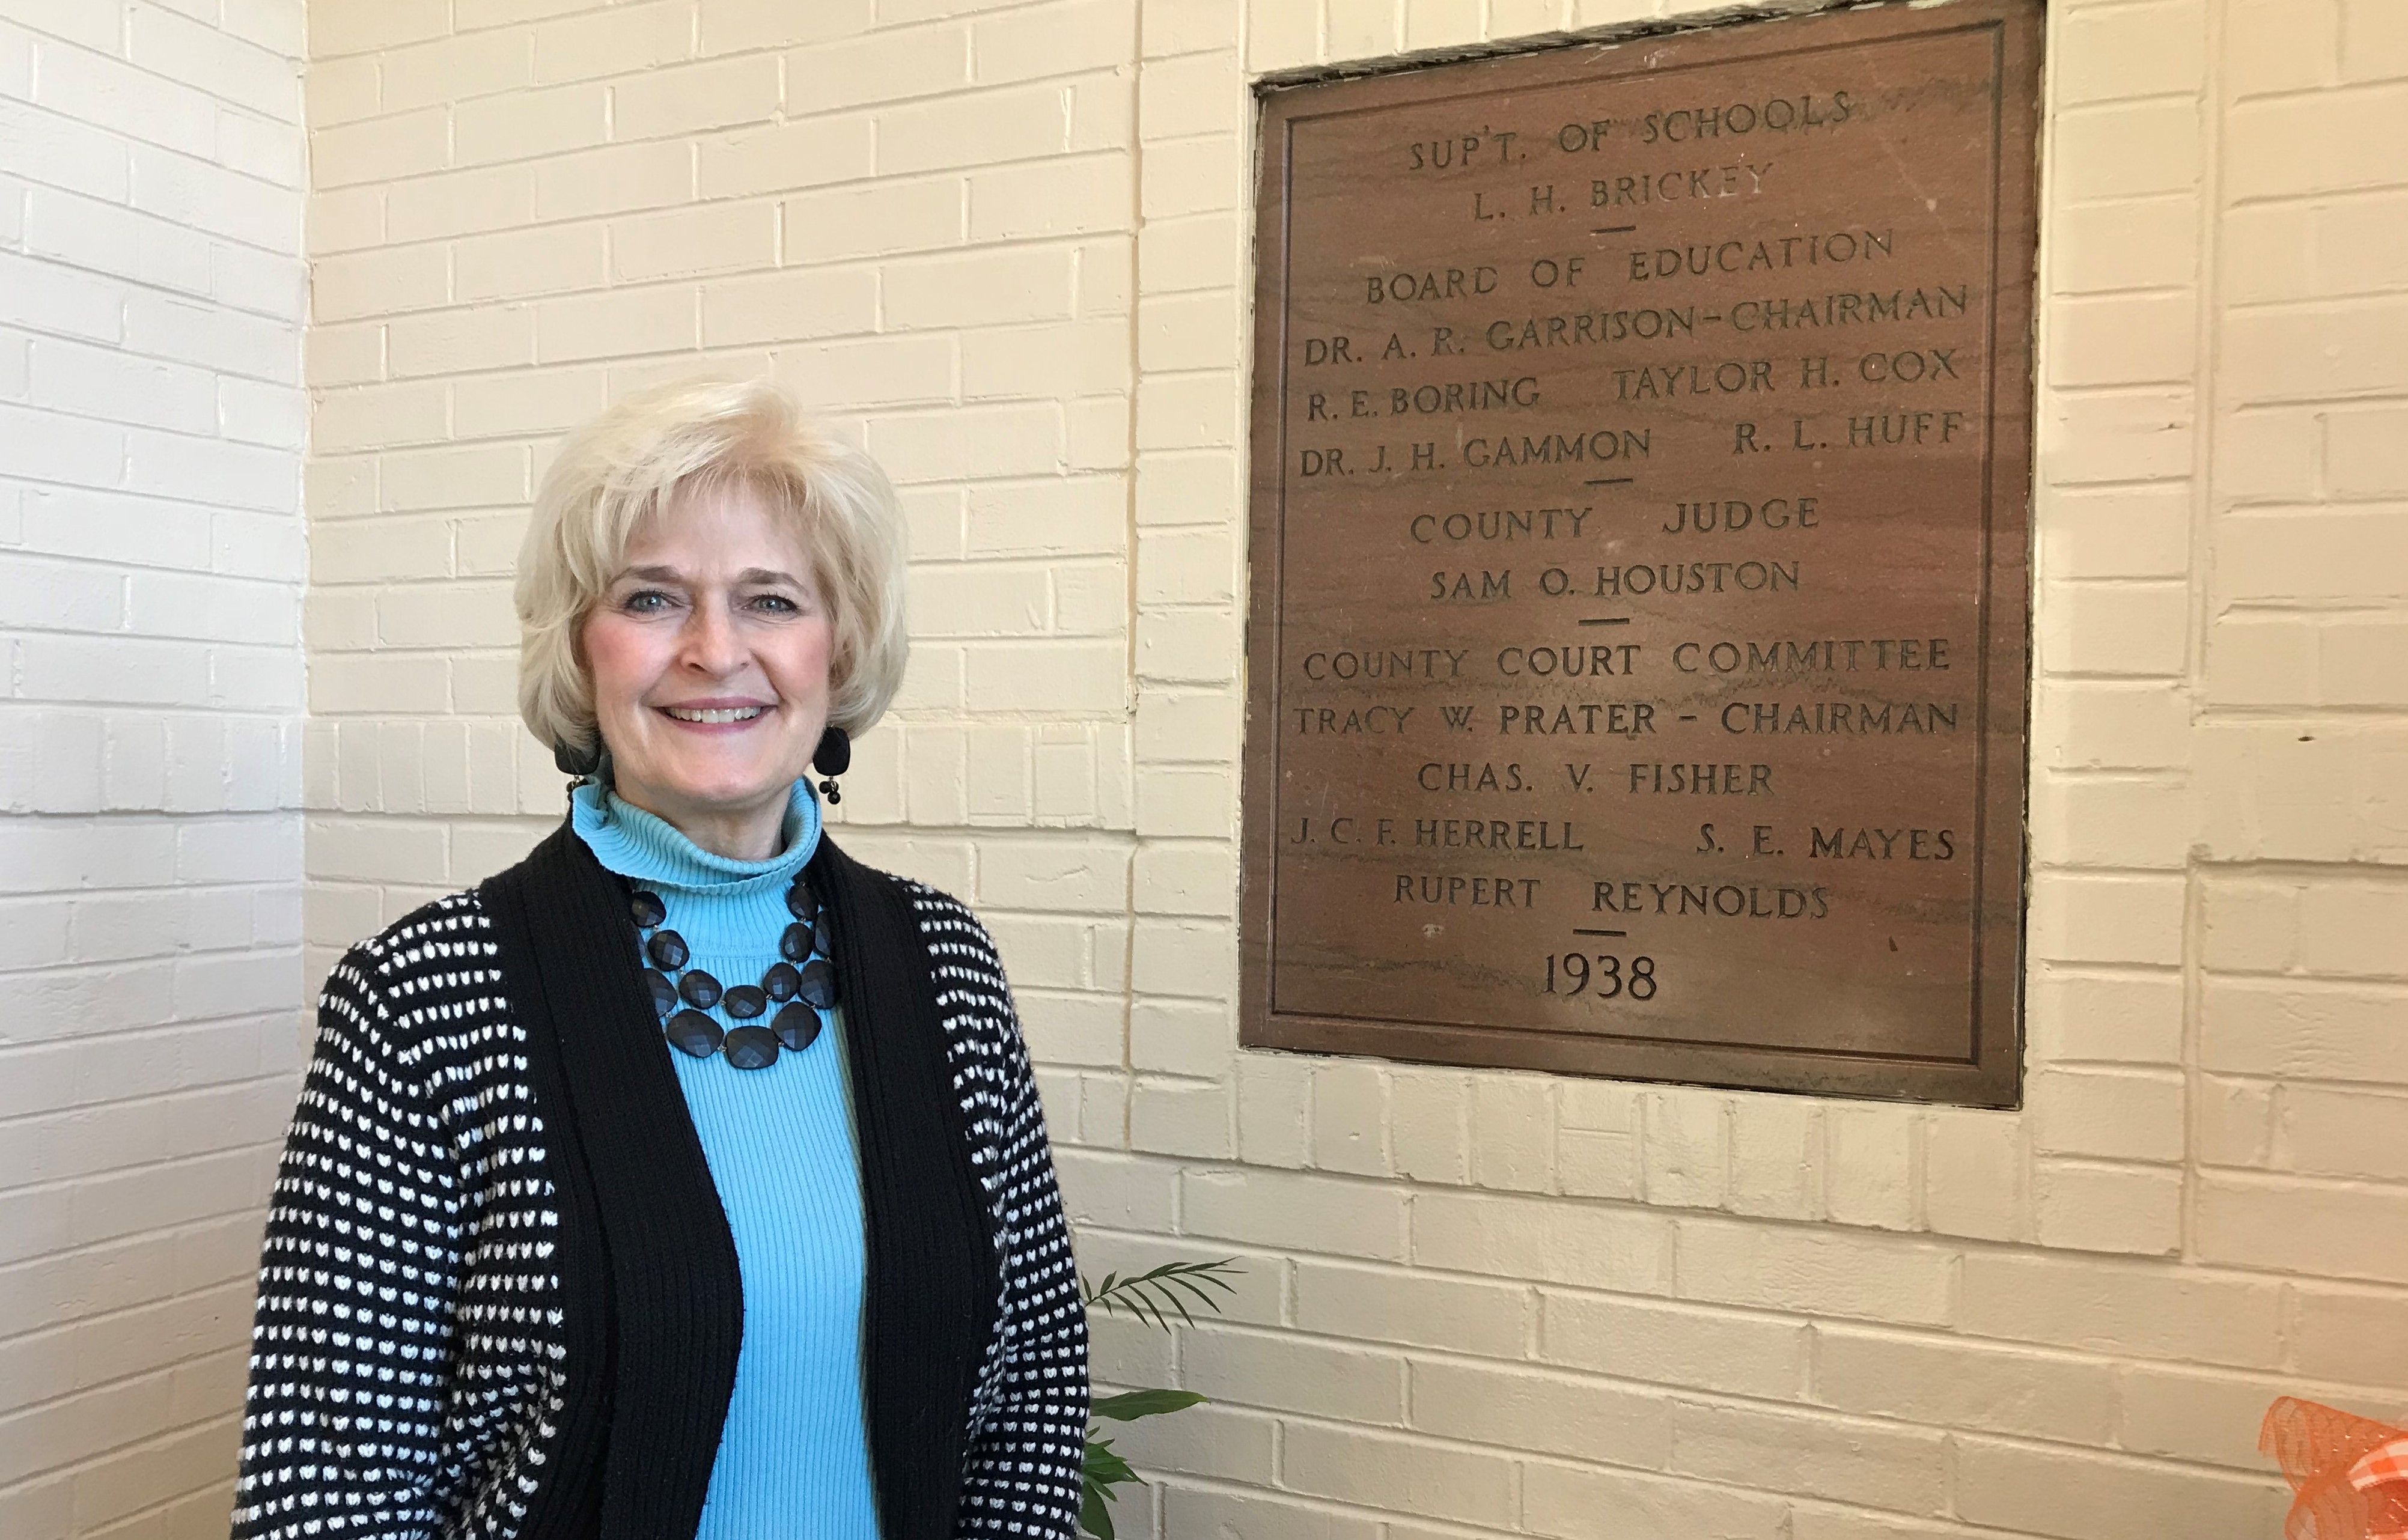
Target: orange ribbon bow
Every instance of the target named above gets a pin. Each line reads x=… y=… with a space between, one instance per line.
x=2349 y=1473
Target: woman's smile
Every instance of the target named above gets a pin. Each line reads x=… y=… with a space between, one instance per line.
x=715 y=713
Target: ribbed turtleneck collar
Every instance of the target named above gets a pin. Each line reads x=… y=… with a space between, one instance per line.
x=636 y=844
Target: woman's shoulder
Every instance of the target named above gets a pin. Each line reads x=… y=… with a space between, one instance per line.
x=413 y=1009
x=973 y=996
x=427 y=987
x=444 y=937
x=948 y=927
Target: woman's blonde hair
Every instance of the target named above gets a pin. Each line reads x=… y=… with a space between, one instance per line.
x=636 y=460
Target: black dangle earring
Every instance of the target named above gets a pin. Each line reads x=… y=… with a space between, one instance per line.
x=574 y=761
x=579 y=764
x=832 y=759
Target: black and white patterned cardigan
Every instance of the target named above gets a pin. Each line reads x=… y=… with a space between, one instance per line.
x=499 y=1297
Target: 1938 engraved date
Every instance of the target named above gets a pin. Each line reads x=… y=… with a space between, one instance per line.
x=1605 y=980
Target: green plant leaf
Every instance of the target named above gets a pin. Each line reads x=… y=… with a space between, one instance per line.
x=1096 y=1513
x=1106 y=1470
x=1156 y=1294
x=1131 y=1405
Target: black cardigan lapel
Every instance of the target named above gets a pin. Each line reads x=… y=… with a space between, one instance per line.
x=567 y=1502
x=934 y=1271
x=676 y=1295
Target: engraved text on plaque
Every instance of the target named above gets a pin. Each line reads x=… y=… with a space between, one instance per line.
x=1640 y=619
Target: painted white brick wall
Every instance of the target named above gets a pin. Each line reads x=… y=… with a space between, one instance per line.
x=1006 y=245
x=152 y=552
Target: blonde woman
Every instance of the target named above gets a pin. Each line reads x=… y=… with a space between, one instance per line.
x=685 y=1178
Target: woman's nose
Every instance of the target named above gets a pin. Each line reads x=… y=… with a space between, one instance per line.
x=711 y=643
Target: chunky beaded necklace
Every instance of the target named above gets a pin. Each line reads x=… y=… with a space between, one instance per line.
x=801 y=984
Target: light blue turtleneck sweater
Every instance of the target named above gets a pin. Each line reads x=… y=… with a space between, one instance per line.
x=794 y=1454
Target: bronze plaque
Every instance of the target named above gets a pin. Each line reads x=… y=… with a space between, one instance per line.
x=1640 y=613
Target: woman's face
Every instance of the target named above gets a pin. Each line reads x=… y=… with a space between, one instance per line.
x=708 y=655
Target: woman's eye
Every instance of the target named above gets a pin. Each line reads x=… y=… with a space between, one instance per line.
x=645 y=602
x=777 y=604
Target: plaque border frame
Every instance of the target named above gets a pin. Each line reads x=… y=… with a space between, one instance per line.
x=1992 y=1075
